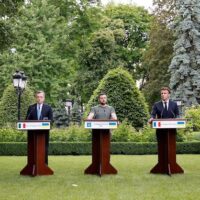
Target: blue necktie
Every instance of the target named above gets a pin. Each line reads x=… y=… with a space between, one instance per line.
x=38 y=112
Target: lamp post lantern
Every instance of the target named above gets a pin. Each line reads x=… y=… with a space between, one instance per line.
x=19 y=83
x=68 y=106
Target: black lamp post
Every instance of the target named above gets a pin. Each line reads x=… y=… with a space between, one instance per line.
x=19 y=82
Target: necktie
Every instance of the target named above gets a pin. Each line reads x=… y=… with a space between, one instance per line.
x=38 y=111
x=165 y=106
x=165 y=113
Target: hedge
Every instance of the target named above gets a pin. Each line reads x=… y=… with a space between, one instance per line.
x=84 y=148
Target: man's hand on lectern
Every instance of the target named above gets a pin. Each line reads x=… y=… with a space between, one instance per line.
x=150 y=120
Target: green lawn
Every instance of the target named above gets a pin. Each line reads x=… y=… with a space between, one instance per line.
x=132 y=182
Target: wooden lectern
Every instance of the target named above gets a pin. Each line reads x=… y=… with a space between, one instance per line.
x=166 y=137
x=36 y=147
x=101 y=146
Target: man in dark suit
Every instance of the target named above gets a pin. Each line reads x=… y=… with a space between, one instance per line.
x=166 y=139
x=165 y=108
x=40 y=111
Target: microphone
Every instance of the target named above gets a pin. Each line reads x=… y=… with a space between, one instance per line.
x=162 y=113
x=27 y=118
x=173 y=113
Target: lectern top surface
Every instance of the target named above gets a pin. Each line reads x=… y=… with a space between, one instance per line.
x=169 y=123
x=170 y=119
x=101 y=124
x=33 y=125
x=101 y=120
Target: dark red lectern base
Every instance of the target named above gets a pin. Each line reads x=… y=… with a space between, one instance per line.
x=100 y=153
x=166 y=153
x=36 y=154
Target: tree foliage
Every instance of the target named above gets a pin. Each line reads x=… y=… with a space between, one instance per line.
x=67 y=42
x=185 y=65
x=119 y=41
x=157 y=57
x=156 y=61
x=40 y=50
x=8 y=9
x=60 y=116
x=124 y=96
x=8 y=104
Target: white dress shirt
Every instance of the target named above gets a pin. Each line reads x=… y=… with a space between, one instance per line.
x=166 y=102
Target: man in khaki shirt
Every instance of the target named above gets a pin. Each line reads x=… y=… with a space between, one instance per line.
x=103 y=110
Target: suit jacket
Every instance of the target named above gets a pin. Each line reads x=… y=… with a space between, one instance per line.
x=46 y=112
x=172 y=112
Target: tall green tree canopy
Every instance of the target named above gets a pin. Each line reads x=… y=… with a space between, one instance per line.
x=185 y=65
x=157 y=57
x=8 y=9
x=41 y=49
x=65 y=47
x=119 y=41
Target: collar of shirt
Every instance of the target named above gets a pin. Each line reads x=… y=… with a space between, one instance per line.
x=103 y=106
x=39 y=105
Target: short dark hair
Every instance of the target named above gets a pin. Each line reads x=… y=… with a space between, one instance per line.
x=166 y=88
x=101 y=94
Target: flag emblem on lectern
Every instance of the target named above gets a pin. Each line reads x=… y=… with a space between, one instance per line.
x=157 y=124
x=19 y=125
x=89 y=125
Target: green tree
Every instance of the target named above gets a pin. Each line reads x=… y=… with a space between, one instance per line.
x=97 y=60
x=8 y=9
x=185 y=65
x=156 y=60
x=157 y=57
x=40 y=50
x=136 y=22
x=119 y=41
x=124 y=96
x=8 y=104
x=60 y=116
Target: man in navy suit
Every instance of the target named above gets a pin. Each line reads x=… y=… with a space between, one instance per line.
x=40 y=111
x=165 y=108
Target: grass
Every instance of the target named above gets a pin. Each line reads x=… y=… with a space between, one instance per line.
x=133 y=182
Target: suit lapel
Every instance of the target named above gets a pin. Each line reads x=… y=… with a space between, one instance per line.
x=42 y=111
x=161 y=105
x=170 y=105
x=35 y=111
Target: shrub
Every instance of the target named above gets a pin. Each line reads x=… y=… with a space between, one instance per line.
x=8 y=134
x=124 y=96
x=193 y=113
x=8 y=105
x=74 y=133
x=71 y=134
x=194 y=136
x=126 y=133
x=148 y=134
x=123 y=133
